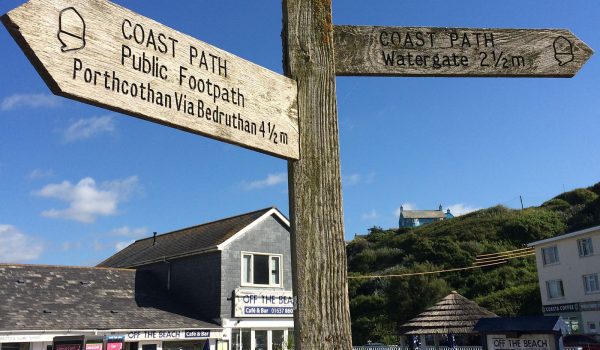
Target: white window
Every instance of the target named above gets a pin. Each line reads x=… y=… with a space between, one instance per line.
x=585 y=247
x=550 y=255
x=555 y=289
x=590 y=283
x=261 y=269
x=262 y=339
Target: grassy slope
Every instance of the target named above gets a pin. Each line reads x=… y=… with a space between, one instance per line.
x=379 y=305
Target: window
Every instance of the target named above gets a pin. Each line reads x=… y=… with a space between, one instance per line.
x=585 y=247
x=550 y=255
x=278 y=340
x=590 y=283
x=555 y=289
x=262 y=339
x=261 y=269
x=241 y=339
x=592 y=327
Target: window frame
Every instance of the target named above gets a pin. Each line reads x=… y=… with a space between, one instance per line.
x=585 y=284
x=580 y=246
x=562 y=287
x=252 y=284
x=556 y=255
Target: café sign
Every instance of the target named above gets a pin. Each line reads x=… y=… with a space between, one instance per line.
x=574 y=307
x=263 y=303
x=524 y=342
x=168 y=334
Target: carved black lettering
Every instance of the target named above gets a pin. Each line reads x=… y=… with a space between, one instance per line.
x=126 y=23
x=383 y=38
x=483 y=56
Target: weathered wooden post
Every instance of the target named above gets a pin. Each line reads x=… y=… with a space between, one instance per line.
x=322 y=317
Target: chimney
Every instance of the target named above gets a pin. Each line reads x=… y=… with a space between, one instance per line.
x=440 y=208
x=154 y=239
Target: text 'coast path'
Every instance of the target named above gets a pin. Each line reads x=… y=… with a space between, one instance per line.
x=100 y=53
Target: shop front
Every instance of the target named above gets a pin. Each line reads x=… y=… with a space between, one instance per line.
x=183 y=339
x=262 y=319
x=261 y=339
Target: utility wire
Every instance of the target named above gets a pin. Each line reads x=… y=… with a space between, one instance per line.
x=438 y=271
x=502 y=253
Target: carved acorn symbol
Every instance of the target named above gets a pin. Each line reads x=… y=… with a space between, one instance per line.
x=563 y=50
x=71 y=30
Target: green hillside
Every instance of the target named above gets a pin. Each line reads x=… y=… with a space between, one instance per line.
x=379 y=305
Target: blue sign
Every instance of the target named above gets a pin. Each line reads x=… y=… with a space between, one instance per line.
x=270 y=310
x=197 y=333
x=115 y=338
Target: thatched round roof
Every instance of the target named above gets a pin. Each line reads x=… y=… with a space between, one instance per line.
x=453 y=314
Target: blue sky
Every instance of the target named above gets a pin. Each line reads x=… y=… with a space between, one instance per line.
x=78 y=182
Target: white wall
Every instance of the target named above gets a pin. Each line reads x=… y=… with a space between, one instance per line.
x=570 y=269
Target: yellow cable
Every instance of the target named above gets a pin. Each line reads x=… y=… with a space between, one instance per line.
x=426 y=272
x=520 y=255
x=438 y=271
x=508 y=251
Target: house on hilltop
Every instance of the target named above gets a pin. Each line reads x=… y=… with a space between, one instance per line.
x=415 y=218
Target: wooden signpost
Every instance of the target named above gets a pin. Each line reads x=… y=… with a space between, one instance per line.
x=102 y=54
x=457 y=52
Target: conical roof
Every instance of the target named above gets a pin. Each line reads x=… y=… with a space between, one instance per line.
x=453 y=314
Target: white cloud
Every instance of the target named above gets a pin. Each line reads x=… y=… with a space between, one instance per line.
x=351 y=180
x=39 y=174
x=405 y=206
x=461 y=209
x=370 y=216
x=15 y=246
x=15 y=101
x=67 y=246
x=126 y=231
x=270 y=180
x=98 y=245
x=355 y=179
x=122 y=245
x=88 y=127
x=86 y=199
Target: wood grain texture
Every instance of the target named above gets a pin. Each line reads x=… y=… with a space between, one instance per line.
x=457 y=52
x=100 y=53
x=322 y=319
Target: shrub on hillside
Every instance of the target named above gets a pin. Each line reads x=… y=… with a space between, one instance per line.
x=578 y=196
x=556 y=204
x=513 y=301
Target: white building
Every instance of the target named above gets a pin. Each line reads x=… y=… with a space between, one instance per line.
x=568 y=270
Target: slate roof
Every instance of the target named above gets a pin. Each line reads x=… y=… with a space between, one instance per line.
x=35 y=297
x=422 y=214
x=195 y=239
x=453 y=314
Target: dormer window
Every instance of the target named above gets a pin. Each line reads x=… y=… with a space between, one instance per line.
x=261 y=270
